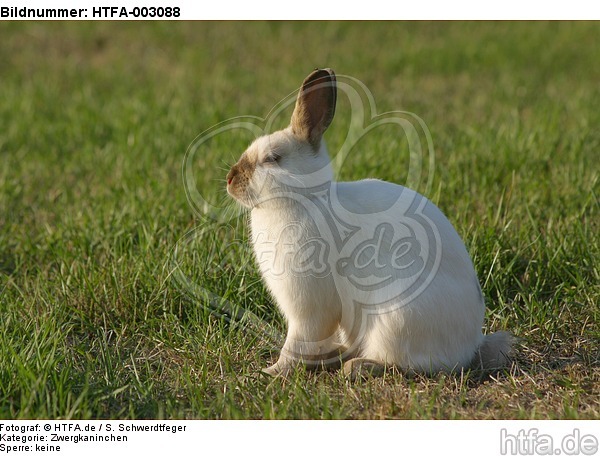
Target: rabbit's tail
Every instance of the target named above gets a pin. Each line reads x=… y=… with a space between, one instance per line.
x=494 y=352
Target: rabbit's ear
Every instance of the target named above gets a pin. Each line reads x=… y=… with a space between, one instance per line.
x=315 y=106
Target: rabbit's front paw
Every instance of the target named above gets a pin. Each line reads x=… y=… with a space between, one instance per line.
x=281 y=368
x=363 y=367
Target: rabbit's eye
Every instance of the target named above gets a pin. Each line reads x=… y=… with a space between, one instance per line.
x=272 y=158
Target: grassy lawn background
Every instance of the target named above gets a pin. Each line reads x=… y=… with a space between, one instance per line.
x=95 y=119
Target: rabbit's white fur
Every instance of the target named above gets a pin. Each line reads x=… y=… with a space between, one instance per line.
x=438 y=327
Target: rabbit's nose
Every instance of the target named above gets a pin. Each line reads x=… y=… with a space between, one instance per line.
x=231 y=174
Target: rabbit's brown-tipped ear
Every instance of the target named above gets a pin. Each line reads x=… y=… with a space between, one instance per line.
x=315 y=106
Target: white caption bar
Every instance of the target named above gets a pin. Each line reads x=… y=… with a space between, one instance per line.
x=295 y=437
x=311 y=9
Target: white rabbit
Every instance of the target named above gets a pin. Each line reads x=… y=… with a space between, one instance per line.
x=369 y=272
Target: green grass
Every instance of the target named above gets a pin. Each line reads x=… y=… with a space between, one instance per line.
x=95 y=119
